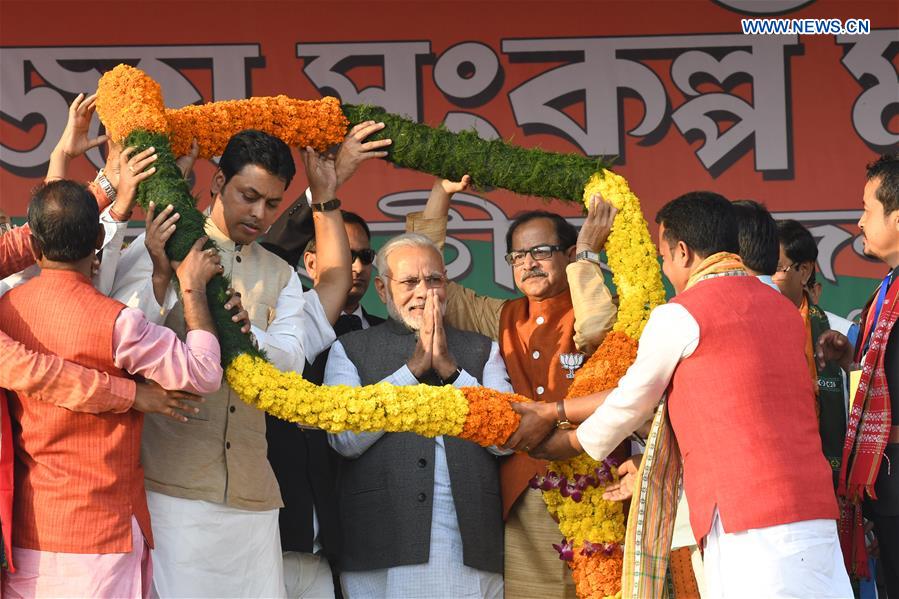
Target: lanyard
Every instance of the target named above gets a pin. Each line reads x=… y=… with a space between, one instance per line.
x=871 y=325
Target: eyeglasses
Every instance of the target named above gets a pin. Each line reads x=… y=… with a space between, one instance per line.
x=412 y=283
x=786 y=269
x=538 y=252
x=366 y=256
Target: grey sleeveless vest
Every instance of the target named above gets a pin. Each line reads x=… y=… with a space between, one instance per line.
x=385 y=495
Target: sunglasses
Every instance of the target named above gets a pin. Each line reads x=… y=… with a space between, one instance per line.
x=366 y=256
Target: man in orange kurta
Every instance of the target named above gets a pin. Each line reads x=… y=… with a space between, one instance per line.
x=566 y=308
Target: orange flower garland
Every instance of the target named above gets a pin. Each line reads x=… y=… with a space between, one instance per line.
x=608 y=364
x=597 y=575
x=128 y=100
x=491 y=419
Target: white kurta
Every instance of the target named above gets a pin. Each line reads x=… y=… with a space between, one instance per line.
x=444 y=575
x=769 y=562
x=205 y=549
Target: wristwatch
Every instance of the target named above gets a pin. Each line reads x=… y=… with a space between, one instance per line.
x=107 y=187
x=326 y=206
x=562 y=423
x=588 y=256
x=453 y=377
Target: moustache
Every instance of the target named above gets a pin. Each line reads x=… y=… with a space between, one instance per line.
x=532 y=273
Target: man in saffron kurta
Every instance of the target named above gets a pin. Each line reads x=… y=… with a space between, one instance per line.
x=88 y=536
x=729 y=354
x=566 y=309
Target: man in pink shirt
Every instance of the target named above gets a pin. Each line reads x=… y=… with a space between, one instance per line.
x=89 y=537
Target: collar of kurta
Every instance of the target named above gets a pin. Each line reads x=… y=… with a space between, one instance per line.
x=59 y=273
x=220 y=238
x=557 y=304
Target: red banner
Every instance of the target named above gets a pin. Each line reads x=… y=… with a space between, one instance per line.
x=675 y=89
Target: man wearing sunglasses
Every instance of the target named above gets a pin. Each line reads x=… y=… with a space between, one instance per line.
x=566 y=309
x=304 y=464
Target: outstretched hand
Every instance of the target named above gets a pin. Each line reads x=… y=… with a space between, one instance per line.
x=75 y=141
x=153 y=399
x=597 y=226
x=451 y=187
x=355 y=150
x=627 y=480
x=321 y=173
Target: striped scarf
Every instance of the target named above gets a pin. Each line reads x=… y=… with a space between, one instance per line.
x=650 y=523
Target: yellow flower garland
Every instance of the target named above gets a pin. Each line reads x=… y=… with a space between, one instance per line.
x=129 y=100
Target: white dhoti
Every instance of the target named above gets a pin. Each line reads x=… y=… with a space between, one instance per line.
x=789 y=561
x=207 y=549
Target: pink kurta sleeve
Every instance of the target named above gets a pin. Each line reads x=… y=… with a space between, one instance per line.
x=15 y=251
x=65 y=384
x=156 y=353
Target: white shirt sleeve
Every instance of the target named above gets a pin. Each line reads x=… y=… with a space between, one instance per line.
x=284 y=339
x=133 y=283
x=670 y=335
x=317 y=331
x=113 y=239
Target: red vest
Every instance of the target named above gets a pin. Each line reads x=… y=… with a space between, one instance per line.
x=532 y=335
x=742 y=409
x=78 y=477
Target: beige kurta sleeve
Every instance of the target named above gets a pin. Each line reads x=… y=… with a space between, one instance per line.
x=594 y=310
x=465 y=309
x=432 y=228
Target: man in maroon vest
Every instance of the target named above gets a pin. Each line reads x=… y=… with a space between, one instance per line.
x=729 y=354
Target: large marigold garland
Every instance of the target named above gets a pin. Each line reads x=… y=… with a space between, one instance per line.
x=131 y=107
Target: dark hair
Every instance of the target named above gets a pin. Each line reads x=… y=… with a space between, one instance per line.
x=757 y=235
x=886 y=168
x=565 y=231
x=798 y=243
x=703 y=220
x=65 y=220
x=349 y=218
x=256 y=147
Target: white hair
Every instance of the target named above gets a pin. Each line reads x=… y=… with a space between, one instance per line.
x=400 y=241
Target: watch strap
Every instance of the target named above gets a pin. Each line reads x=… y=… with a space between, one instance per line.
x=326 y=206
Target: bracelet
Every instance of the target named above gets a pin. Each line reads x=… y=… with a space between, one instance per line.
x=197 y=291
x=119 y=217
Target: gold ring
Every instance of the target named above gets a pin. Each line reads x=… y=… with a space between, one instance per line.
x=130 y=169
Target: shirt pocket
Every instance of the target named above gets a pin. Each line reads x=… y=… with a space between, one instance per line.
x=261 y=315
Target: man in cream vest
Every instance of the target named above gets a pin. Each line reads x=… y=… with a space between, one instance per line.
x=211 y=491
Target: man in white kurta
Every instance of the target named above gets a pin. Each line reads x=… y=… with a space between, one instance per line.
x=211 y=491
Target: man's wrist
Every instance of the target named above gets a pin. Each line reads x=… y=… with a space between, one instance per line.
x=320 y=196
x=445 y=371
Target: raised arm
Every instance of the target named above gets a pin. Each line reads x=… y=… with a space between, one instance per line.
x=594 y=310
x=74 y=141
x=15 y=251
x=332 y=247
x=155 y=352
x=465 y=309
